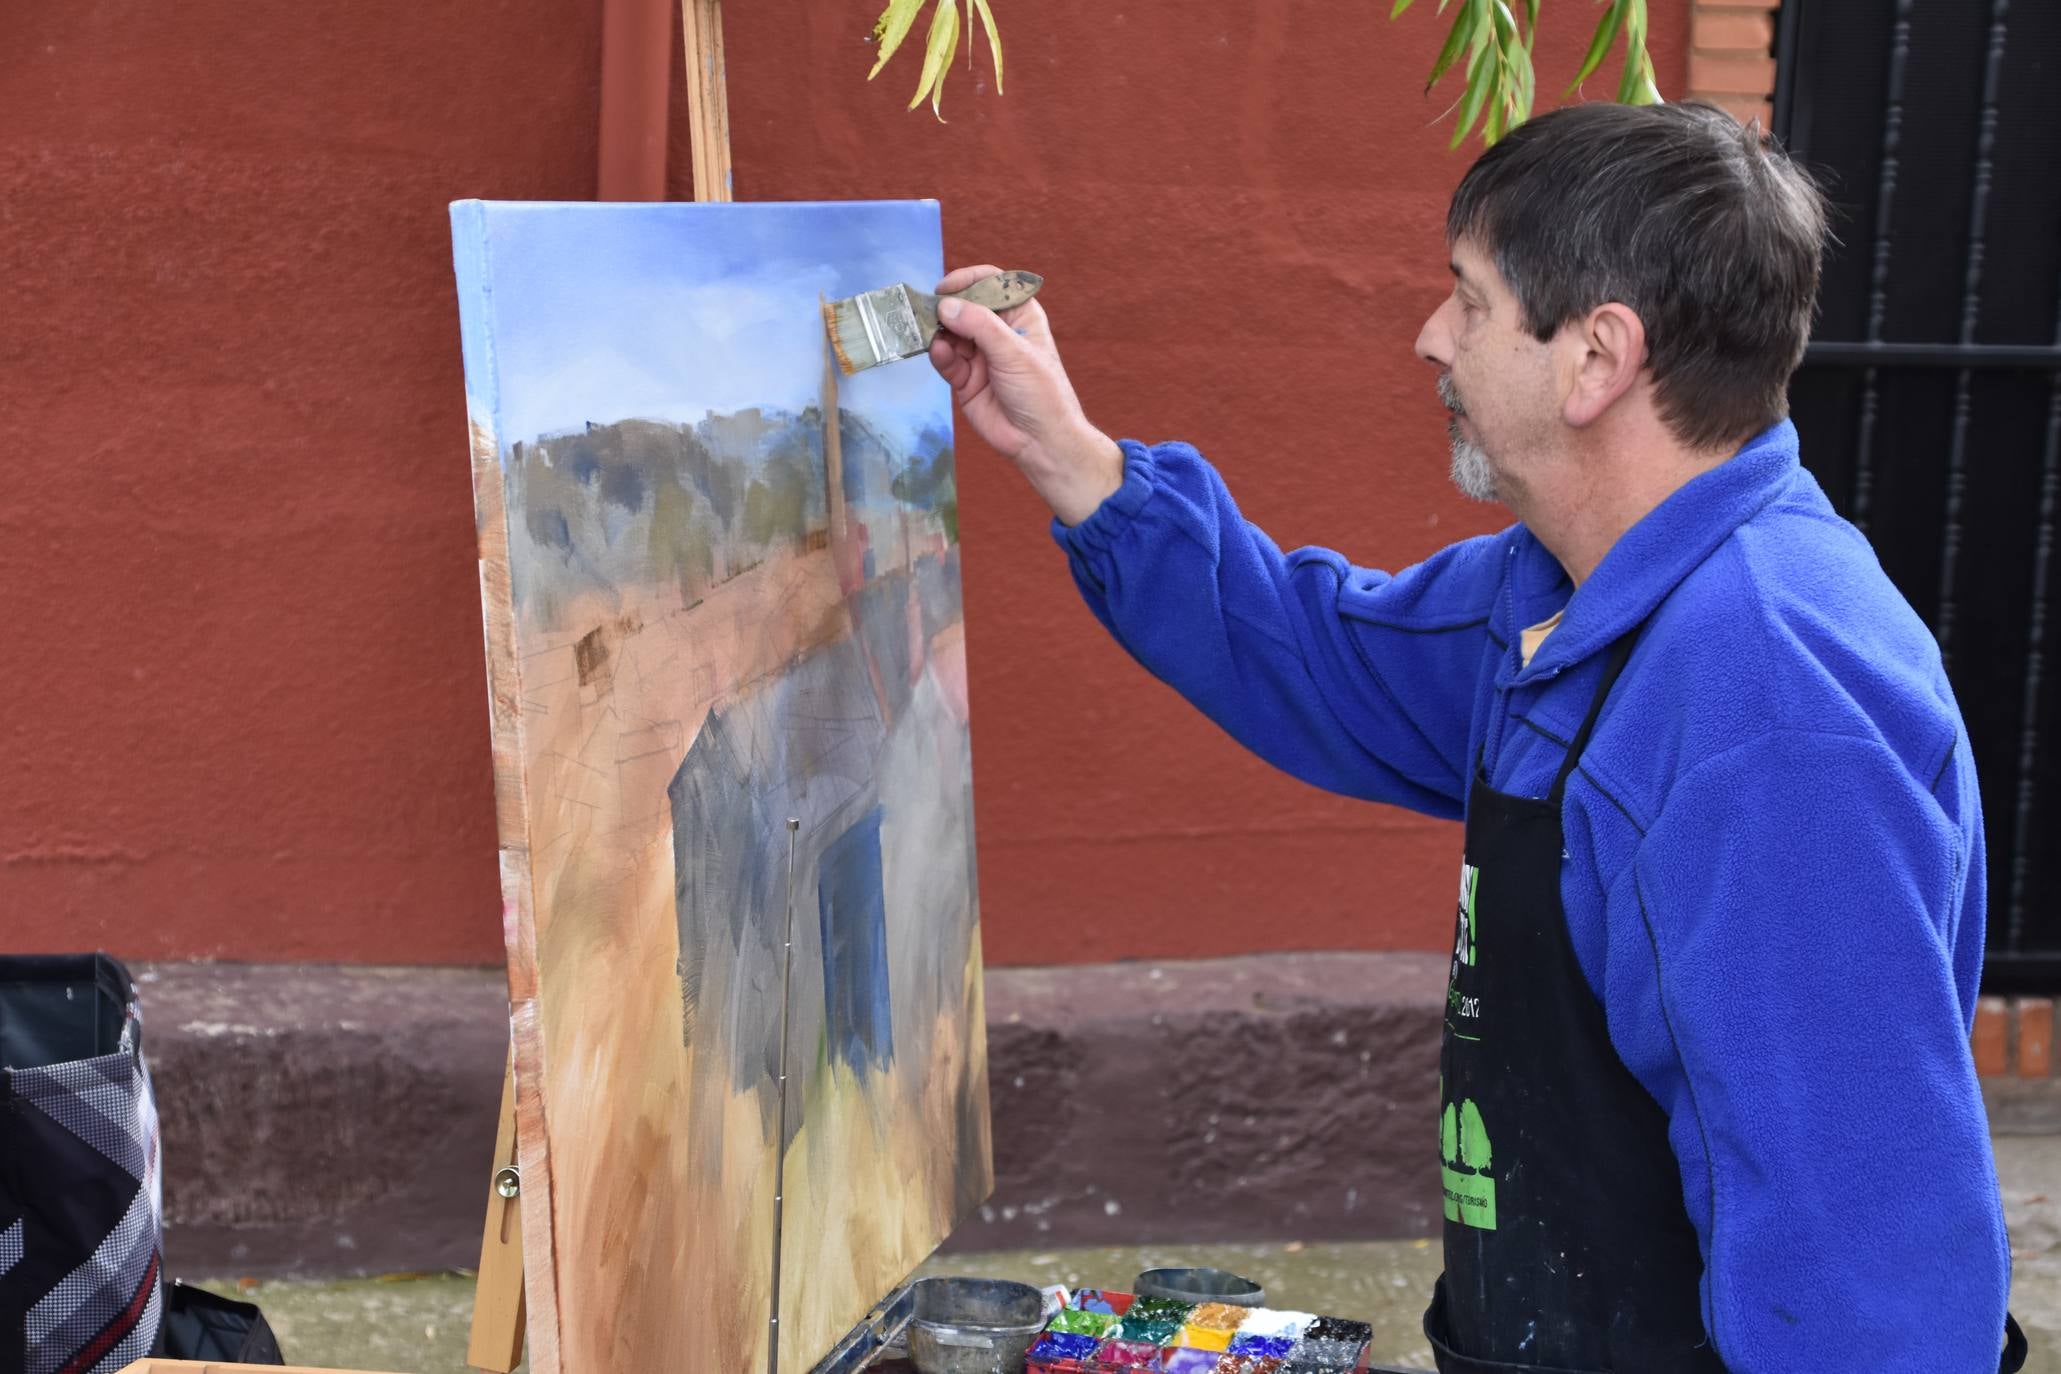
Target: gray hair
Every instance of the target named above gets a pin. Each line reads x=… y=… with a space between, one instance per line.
x=1703 y=228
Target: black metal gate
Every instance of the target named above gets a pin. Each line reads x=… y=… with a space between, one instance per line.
x=1930 y=401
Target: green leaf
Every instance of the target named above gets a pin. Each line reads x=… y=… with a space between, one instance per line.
x=893 y=26
x=1638 y=87
x=987 y=23
x=1512 y=105
x=1400 y=6
x=1463 y=29
x=1599 y=46
x=1531 y=22
x=1481 y=75
x=1635 y=58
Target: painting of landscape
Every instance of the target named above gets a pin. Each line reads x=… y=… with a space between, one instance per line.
x=721 y=591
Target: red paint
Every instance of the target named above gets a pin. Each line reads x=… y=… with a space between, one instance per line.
x=241 y=623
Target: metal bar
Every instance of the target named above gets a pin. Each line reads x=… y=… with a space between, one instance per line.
x=780 y=1139
x=1978 y=357
x=2018 y=971
x=2035 y=651
x=1878 y=280
x=1788 y=36
x=1971 y=315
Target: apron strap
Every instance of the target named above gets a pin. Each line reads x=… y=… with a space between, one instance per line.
x=1613 y=666
x=2016 y=1347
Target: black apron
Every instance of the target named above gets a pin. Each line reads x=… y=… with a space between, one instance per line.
x=1567 y=1244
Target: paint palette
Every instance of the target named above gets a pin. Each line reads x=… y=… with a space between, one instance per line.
x=1101 y=1331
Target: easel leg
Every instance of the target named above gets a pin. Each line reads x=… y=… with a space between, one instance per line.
x=497 y=1301
x=708 y=105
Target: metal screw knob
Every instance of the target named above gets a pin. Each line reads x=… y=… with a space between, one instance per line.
x=508 y=1181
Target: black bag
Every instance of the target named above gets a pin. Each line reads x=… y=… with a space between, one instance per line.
x=200 y=1325
x=80 y=1199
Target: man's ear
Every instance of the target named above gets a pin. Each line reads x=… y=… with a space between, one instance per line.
x=1612 y=342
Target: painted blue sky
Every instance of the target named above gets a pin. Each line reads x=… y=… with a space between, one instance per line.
x=669 y=311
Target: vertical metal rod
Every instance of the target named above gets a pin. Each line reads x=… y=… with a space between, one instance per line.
x=1878 y=280
x=780 y=1139
x=2035 y=653
x=1971 y=312
x=1788 y=57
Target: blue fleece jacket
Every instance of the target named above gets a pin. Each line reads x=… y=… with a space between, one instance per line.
x=1773 y=877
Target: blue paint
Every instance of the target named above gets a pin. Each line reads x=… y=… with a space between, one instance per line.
x=853 y=907
x=577 y=313
x=1061 y=1345
x=1262 y=1346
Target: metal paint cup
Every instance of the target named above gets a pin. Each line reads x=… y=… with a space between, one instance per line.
x=1200 y=1285
x=973 y=1326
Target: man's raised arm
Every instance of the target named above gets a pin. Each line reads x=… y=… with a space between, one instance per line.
x=1356 y=681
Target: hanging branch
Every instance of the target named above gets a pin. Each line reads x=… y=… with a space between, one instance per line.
x=1501 y=84
x=940 y=47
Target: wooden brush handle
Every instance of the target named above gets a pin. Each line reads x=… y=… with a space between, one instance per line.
x=1003 y=291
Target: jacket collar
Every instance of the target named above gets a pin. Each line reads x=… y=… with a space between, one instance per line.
x=1649 y=560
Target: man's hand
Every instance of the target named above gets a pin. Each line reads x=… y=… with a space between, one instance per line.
x=1009 y=383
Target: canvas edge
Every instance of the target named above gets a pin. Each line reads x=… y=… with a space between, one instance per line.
x=469 y=243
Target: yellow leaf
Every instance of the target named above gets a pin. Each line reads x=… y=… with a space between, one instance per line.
x=949 y=9
x=987 y=21
x=893 y=27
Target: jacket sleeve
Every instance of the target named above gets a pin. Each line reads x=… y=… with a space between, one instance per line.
x=1797 y=911
x=1356 y=681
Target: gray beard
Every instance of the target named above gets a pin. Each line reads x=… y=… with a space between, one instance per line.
x=1472 y=473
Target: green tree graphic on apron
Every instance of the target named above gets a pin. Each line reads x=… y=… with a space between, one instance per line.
x=1464 y=1145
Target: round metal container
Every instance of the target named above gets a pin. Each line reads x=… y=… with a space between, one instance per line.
x=973 y=1326
x=1200 y=1285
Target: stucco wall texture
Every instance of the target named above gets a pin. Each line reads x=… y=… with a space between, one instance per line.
x=246 y=714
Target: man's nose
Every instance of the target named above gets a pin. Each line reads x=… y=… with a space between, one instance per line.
x=1433 y=343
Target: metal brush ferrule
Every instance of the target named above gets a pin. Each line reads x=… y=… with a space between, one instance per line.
x=889 y=318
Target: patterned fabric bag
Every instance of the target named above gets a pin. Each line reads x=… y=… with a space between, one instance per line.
x=81 y=1203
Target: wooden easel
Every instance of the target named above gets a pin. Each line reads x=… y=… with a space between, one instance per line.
x=498 y=1308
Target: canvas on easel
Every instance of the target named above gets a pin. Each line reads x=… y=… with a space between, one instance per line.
x=721 y=590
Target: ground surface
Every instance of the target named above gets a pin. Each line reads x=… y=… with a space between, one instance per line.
x=418 y=1324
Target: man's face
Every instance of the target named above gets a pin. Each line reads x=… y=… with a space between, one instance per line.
x=1495 y=379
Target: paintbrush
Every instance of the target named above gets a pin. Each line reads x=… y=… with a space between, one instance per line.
x=898 y=322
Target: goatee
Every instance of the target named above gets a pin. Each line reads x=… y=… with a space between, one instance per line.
x=1472 y=472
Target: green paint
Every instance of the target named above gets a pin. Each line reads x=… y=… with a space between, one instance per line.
x=1077 y=1323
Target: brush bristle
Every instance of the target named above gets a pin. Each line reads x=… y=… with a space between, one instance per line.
x=836 y=316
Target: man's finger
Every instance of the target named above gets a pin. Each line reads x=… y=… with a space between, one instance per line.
x=1029 y=320
x=965 y=277
x=949 y=362
x=984 y=327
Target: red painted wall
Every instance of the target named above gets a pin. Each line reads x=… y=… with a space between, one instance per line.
x=237 y=600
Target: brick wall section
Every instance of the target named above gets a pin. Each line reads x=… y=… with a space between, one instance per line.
x=1731 y=62
x=2014 y=1037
